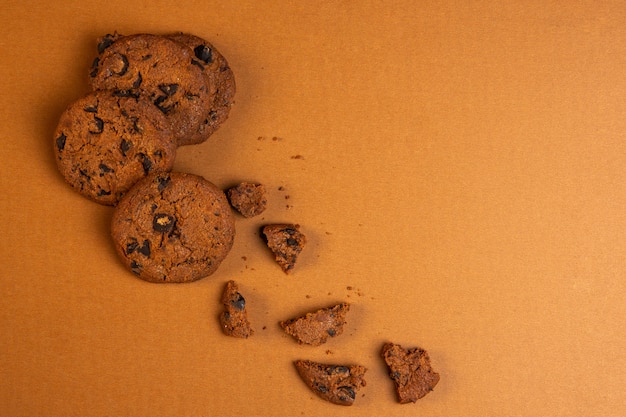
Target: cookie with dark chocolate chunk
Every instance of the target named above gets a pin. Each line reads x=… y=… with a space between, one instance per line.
x=104 y=144
x=410 y=371
x=247 y=198
x=315 y=328
x=338 y=384
x=234 y=318
x=220 y=78
x=160 y=70
x=173 y=227
x=286 y=242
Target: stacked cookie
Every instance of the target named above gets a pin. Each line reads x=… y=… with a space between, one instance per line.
x=117 y=146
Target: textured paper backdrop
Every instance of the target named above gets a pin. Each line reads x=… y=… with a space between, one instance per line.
x=460 y=166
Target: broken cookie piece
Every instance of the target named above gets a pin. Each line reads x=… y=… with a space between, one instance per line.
x=248 y=199
x=286 y=242
x=338 y=384
x=410 y=370
x=315 y=328
x=234 y=318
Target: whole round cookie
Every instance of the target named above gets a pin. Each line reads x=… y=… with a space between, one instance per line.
x=221 y=79
x=104 y=144
x=163 y=71
x=173 y=227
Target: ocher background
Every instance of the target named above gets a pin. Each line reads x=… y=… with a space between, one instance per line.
x=460 y=165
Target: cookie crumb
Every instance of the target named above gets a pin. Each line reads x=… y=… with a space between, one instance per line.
x=297 y=157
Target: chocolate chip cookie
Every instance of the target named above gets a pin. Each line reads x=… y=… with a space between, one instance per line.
x=104 y=144
x=315 y=328
x=234 y=318
x=173 y=227
x=338 y=384
x=160 y=70
x=221 y=80
x=410 y=371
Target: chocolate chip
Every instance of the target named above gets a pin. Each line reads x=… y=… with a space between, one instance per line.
x=136 y=267
x=289 y=230
x=163 y=223
x=125 y=146
x=322 y=388
x=125 y=93
x=102 y=192
x=91 y=109
x=94 y=67
x=338 y=370
x=138 y=81
x=104 y=43
x=146 y=163
x=331 y=332
x=159 y=103
x=239 y=303
x=61 y=142
x=168 y=89
x=104 y=169
x=97 y=126
x=349 y=391
x=131 y=247
x=198 y=64
x=204 y=53
x=292 y=242
x=124 y=69
x=85 y=174
x=163 y=182
x=145 y=248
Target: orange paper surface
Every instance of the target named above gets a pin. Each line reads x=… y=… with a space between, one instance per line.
x=458 y=169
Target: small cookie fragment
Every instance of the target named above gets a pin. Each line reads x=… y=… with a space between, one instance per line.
x=286 y=242
x=247 y=198
x=410 y=370
x=315 y=328
x=234 y=319
x=338 y=384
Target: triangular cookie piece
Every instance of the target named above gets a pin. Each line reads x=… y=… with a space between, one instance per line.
x=286 y=242
x=315 y=328
x=335 y=383
x=234 y=318
x=410 y=370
